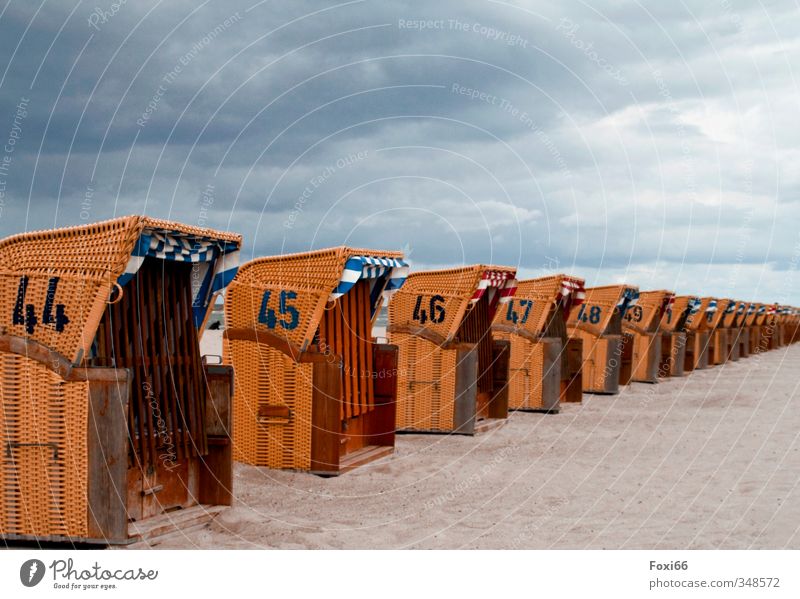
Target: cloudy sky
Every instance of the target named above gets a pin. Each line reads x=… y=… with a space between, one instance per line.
x=654 y=143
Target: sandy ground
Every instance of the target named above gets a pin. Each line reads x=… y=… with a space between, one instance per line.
x=711 y=460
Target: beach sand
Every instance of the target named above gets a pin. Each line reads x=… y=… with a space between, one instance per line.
x=711 y=460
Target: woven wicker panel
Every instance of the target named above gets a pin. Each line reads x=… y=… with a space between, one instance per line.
x=526 y=372
x=646 y=319
x=672 y=319
x=728 y=320
x=542 y=293
x=426 y=384
x=454 y=286
x=83 y=301
x=596 y=361
x=714 y=319
x=43 y=422
x=697 y=321
x=267 y=377
x=311 y=275
x=601 y=301
x=86 y=261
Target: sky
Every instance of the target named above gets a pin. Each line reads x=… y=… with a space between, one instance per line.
x=653 y=143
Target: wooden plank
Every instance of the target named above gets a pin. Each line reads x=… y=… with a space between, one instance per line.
x=367 y=350
x=107 y=454
x=464 y=411
x=326 y=418
x=501 y=355
x=382 y=418
x=159 y=527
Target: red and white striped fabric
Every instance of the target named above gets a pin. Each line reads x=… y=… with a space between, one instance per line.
x=572 y=294
x=666 y=304
x=504 y=281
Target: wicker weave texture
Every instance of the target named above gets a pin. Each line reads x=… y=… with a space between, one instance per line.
x=455 y=286
x=43 y=424
x=426 y=384
x=526 y=373
x=267 y=377
x=698 y=321
x=543 y=294
x=599 y=361
x=311 y=275
x=646 y=319
x=714 y=319
x=85 y=263
x=602 y=299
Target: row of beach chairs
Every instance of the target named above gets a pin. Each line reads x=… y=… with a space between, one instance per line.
x=115 y=429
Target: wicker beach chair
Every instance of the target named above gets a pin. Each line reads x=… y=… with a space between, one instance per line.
x=697 y=332
x=452 y=373
x=607 y=350
x=314 y=392
x=674 y=335
x=109 y=419
x=643 y=322
x=545 y=367
x=718 y=344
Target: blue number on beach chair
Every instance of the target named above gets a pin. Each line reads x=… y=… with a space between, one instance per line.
x=268 y=316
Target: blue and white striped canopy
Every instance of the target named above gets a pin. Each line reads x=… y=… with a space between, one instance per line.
x=217 y=262
x=629 y=298
x=694 y=305
x=712 y=306
x=730 y=307
x=762 y=309
x=386 y=275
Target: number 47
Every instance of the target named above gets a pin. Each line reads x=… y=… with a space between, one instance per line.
x=513 y=316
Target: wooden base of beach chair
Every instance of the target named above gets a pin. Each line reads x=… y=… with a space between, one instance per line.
x=572 y=372
x=696 y=355
x=602 y=362
x=718 y=347
x=673 y=354
x=359 y=457
x=646 y=357
x=439 y=390
x=626 y=360
x=535 y=373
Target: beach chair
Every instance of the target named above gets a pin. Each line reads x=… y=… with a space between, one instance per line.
x=755 y=313
x=314 y=391
x=607 y=351
x=718 y=334
x=736 y=334
x=767 y=337
x=113 y=430
x=643 y=321
x=697 y=333
x=674 y=336
x=452 y=374
x=545 y=366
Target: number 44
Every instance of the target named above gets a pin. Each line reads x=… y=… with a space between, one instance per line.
x=25 y=314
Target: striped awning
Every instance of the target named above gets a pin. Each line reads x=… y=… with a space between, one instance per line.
x=751 y=308
x=712 y=306
x=571 y=294
x=502 y=281
x=386 y=275
x=694 y=305
x=216 y=262
x=629 y=298
x=762 y=309
x=730 y=307
x=666 y=304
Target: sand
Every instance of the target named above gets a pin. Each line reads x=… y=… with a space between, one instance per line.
x=711 y=460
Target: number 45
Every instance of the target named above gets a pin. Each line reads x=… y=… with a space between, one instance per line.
x=267 y=315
